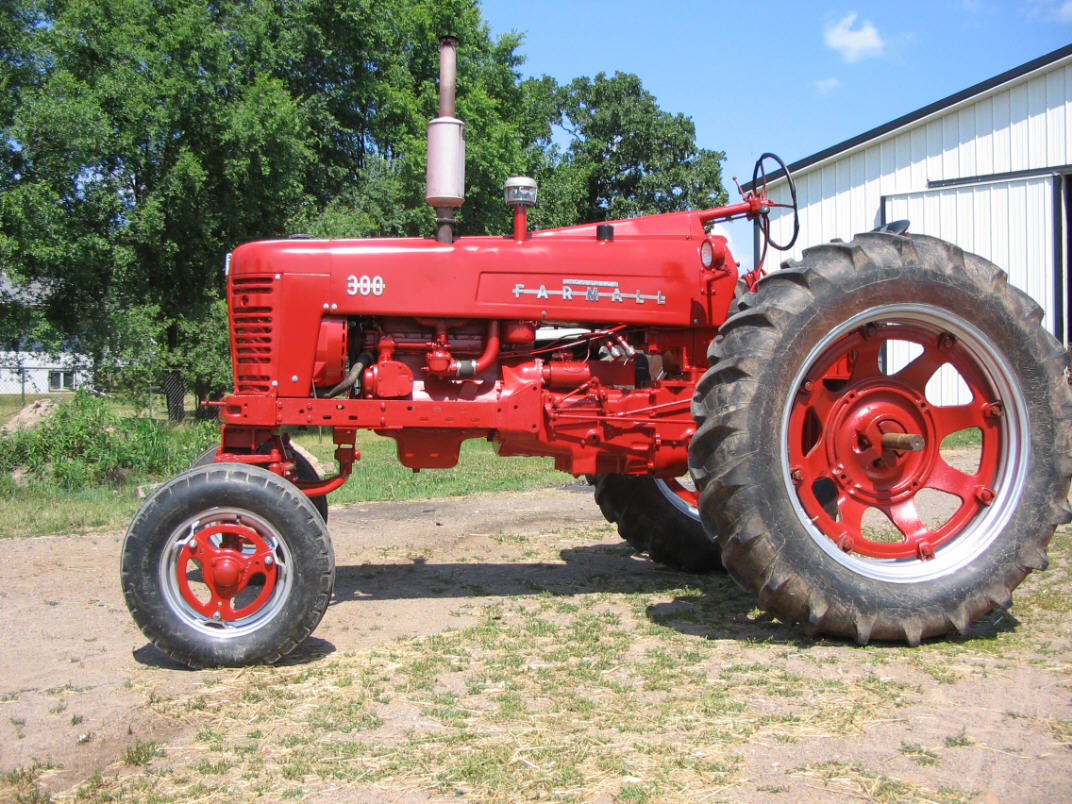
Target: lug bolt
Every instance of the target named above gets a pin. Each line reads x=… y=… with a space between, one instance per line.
x=192 y=545
x=268 y=561
x=985 y=496
x=946 y=341
x=797 y=476
x=807 y=387
x=994 y=410
x=925 y=550
x=217 y=616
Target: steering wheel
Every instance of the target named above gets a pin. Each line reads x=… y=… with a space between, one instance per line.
x=759 y=187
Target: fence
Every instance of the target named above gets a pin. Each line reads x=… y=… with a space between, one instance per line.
x=27 y=379
x=35 y=377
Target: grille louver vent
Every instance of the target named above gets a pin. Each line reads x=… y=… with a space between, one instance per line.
x=253 y=313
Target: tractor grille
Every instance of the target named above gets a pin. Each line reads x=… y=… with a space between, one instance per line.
x=253 y=319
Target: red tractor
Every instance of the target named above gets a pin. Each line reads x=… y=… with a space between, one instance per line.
x=633 y=352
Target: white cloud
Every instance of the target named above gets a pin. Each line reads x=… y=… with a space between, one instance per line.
x=854 y=44
x=1058 y=10
x=827 y=85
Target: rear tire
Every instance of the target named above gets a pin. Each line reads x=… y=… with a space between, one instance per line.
x=790 y=416
x=657 y=518
x=227 y=565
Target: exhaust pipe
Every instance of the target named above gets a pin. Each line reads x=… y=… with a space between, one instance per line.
x=445 y=186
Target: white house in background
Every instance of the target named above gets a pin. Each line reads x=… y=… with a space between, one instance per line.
x=30 y=370
x=989 y=168
x=40 y=373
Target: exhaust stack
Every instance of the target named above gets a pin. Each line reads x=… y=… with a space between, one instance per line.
x=445 y=186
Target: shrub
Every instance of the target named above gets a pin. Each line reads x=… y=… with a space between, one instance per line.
x=84 y=443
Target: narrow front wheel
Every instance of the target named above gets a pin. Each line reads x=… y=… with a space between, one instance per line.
x=227 y=565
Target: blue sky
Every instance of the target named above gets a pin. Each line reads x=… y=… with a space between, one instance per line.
x=787 y=77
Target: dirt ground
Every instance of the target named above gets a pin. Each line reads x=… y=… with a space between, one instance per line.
x=75 y=673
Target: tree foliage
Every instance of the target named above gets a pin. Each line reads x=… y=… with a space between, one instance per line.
x=627 y=156
x=143 y=139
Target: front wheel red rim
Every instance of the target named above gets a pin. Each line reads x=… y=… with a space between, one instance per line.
x=865 y=433
x=225 y=572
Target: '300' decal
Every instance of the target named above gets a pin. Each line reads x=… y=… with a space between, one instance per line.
x=365 y=285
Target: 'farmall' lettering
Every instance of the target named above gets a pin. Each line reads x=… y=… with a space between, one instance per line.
x=592 y=292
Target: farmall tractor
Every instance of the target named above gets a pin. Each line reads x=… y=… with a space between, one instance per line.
x=636 y=353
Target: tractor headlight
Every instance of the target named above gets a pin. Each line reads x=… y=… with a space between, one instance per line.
x=707 y=254
x=712 y=253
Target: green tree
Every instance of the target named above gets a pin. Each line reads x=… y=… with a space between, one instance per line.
x=628 y=157
x=143 y=158
x=204 y=352
x=143 y=139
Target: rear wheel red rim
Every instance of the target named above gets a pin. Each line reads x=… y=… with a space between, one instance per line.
x=842 y=405
x=682 y=494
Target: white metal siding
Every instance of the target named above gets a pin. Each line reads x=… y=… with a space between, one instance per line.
x=992 y=220
x=1014 y=127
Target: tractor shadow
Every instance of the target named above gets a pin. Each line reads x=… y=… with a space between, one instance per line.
x=704 y=606
x=708 y=606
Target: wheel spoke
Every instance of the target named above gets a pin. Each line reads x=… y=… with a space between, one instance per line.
x=815 y=464
x=952 y=481
x=906 y=517
x=852 y=516
x=819 y=399
x=918 y=372
x=954 y=418
x=866 y=365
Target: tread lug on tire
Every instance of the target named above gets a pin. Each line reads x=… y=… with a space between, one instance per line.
x=658 y=517
x=227 y=565
x=819 y=446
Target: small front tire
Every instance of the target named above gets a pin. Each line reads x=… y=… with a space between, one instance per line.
x=227 y=565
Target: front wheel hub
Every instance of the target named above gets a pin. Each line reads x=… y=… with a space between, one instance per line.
x=225 y=569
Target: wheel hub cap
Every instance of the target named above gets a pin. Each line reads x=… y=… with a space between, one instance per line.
x=858 y=462
x=230 y=557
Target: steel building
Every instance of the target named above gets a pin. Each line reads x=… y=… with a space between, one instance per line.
x=988 y=168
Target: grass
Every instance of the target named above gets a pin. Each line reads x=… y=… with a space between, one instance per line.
x=10 y=404
x=857 y=782
x=617 y=691
x=84 y=473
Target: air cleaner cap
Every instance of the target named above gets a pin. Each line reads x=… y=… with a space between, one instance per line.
x=520 y=191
